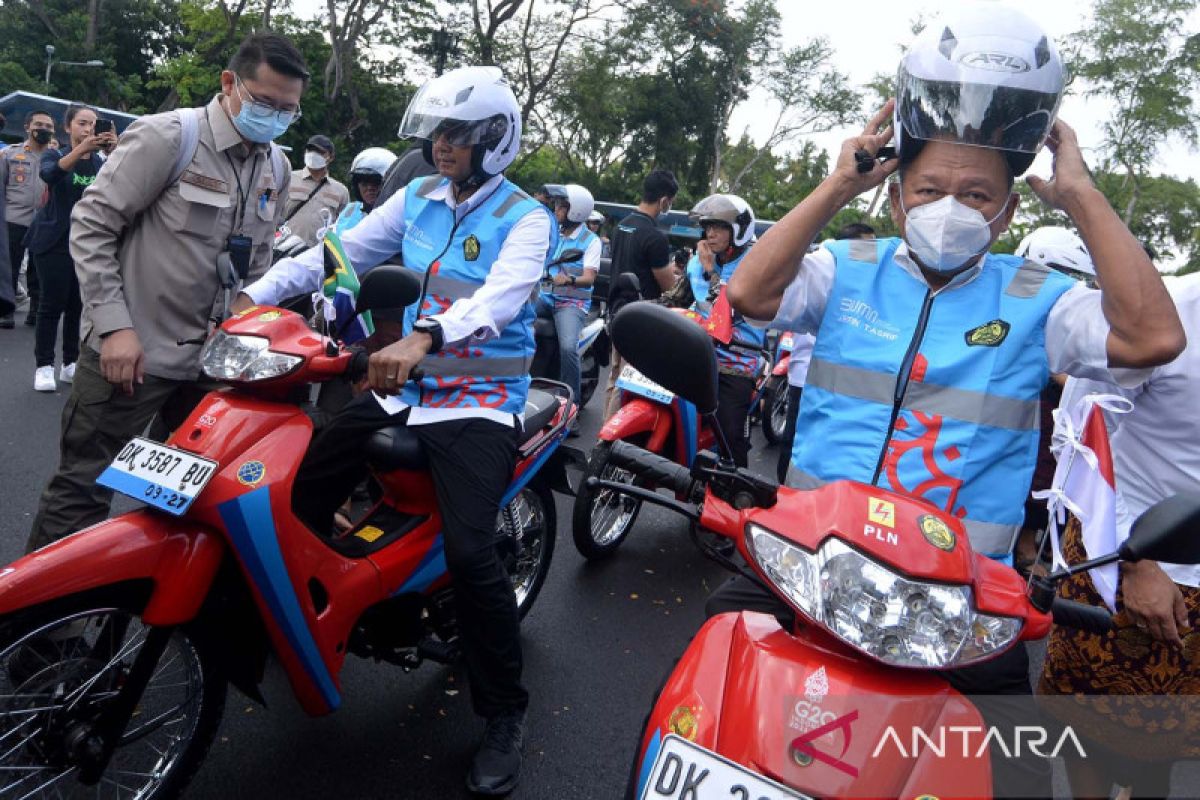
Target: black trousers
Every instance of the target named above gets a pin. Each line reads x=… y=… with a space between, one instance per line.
x=60 y=298
x=16 y=253
x=789 y=433
x=998 y=688
x=471 y=461
x=734 y=393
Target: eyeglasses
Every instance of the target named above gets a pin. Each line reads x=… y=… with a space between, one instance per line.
x=259 y=108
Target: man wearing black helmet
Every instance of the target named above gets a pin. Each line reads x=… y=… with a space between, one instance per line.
x=930 y=352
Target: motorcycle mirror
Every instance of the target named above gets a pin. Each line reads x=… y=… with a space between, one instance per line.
x=1167 y=531
x=669 y=349
x=574 y=254
x=388 y=286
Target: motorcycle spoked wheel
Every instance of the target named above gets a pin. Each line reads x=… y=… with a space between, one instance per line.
x=529 y=523
x=61 y=665
x=775 y=404
x=602 y=519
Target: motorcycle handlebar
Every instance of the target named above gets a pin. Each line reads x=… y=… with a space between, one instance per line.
x=660 y=471
x=1081 y=616
x=360 y=362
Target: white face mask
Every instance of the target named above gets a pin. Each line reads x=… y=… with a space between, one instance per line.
x=944 y=235
x=314 y=160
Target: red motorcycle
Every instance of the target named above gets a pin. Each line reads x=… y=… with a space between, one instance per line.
x=116 y=643
x=885 y=590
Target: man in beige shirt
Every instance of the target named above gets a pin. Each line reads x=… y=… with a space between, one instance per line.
x=315 y=199
x=20 y=192
x=145 y=238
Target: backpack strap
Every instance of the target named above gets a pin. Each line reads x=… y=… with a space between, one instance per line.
x=189 y=139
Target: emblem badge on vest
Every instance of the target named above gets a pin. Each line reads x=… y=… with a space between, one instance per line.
x=989 y=334
x=471 y=248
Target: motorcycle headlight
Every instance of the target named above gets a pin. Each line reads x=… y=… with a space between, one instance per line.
x=890 y=617
x=226 y=357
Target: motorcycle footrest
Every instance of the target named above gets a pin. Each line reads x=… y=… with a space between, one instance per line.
x=431 y=649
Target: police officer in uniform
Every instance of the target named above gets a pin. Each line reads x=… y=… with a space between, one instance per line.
x=21 y=185
x=145 y=243
x=481 y=244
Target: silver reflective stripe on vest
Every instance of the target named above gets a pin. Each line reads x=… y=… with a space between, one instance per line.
x=509 y=202
x=475 y=367
x=572 y=291
x=451 y=288
x=1028 y=281
x=965 y=405
x=864 y=250
x=987 y=538
x=428 y=185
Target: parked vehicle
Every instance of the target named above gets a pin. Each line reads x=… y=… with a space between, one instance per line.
x=116 y=643
x=594 y=346
x=885 y=591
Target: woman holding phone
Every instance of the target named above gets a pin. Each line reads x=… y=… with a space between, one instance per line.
x=66 y=173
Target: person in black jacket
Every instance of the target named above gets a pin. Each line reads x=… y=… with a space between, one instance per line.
x=66 y=175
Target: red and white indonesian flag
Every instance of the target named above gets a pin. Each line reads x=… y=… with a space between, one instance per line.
x=1084 y=484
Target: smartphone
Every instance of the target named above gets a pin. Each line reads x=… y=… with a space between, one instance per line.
x=103 y=126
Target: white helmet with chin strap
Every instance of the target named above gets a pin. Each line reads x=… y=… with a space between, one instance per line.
x=983 y=74
x=579 y=203
x=727 y=209
x=1058 y=248
x=474 y=107
x=372 y=161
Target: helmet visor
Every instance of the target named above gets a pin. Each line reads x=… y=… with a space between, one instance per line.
x=984 y=115
x=459 y=133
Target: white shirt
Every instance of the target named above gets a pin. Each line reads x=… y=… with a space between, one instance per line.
x=1076 y=329
x=591 y=255
x=1156 y=446
x=801 y=355
x=470 y=320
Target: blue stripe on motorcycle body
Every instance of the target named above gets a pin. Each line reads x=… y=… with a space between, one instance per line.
x=648 y=761
x=687 y=421
x=432 y=567
x=252 y=529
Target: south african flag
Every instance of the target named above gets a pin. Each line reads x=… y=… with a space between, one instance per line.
x=341 y=288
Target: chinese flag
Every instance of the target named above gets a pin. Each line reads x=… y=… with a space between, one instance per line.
x=720 y=319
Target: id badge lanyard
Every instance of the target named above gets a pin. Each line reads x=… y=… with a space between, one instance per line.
x=233 y=265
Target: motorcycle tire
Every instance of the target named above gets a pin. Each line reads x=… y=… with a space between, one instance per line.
x=775 y=410
x=533 y=515
x=594 y=508
x=79 y=646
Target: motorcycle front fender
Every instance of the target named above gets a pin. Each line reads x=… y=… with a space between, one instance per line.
x=637 y=416
x=750 y=691
x=178 y=558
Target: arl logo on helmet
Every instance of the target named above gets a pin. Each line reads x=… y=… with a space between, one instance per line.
x=997 y=62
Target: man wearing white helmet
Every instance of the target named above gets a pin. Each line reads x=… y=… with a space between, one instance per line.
x=571 y=297
x=930 y=352
x=366 y=181
x=728 y=225
x=480 y=244
x=1060 y=249
x=594 y=221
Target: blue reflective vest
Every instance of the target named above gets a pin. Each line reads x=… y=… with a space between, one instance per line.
x=733 y=360
x=458 y=257
x=351 y=215
x=930 y=394
x=579 y=296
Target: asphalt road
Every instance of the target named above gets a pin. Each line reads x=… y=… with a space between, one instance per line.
x=597 y=645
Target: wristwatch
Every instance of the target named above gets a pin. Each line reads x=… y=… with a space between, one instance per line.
x=434 y=329
x=572 y=277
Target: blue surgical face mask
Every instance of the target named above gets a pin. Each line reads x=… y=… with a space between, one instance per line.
x=259 y=122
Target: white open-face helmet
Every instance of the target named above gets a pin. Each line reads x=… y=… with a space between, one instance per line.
x=579 y=203
x=728 y=209
x=474 y=107
x=372 y=161
x=984 y=74
x=596 y=216
x=1059 y=248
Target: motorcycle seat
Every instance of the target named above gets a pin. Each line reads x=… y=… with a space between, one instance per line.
x=396 y=447
x=543 y=328
x=540 y=408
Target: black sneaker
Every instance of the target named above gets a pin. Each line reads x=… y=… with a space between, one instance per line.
x=497 y=766
x=6 y=321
